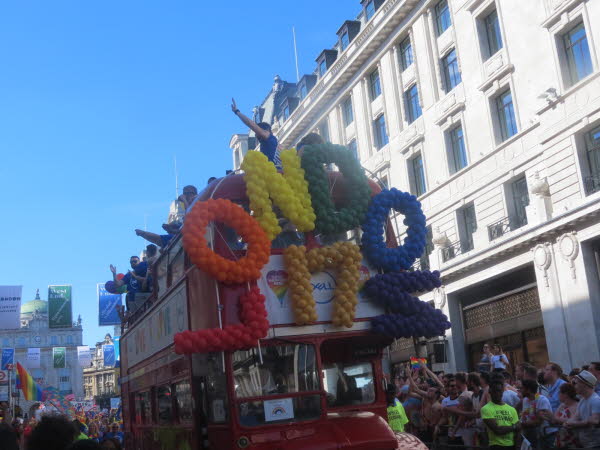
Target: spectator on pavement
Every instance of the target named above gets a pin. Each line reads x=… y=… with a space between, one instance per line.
x=501 y=420
x=53 y=432
x=587 y=417
x=536 y=408
x=552 y=378
x=499 y=360
x=565 y=438
x=594 y=369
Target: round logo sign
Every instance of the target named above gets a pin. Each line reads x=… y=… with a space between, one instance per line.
x=3 y=376
x=323 y=284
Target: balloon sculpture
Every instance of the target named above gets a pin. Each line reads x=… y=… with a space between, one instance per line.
x=302 y=194
x=225 y=270
x=344 y=256
x=288 y=191
x=254 y=326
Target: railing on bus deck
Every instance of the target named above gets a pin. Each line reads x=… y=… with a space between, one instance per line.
x=168 y=269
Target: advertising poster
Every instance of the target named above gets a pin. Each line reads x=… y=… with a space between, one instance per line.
x=108 y=352
x=60 y=314
x=32 y=360
x=8 y=358
x=10 y=307
x=107 y=307
x=84 y=357
x=59 y=357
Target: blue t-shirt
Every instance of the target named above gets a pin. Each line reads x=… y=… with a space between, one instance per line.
x=553 y=392
x=269 y=148
x=131 y=283
x=165 y=239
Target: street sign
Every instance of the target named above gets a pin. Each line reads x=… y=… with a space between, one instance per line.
x=3 y=376
x=9 y=366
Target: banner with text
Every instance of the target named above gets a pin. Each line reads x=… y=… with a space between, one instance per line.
x=10 y=307
x=107 y=307
x=8 y=358
x=84 y=356
x=32 y=360
x=59 y=307
x=108 y=352
x=59 y=357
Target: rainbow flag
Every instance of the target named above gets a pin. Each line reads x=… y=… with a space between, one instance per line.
x=25 y=382
x=417 y=363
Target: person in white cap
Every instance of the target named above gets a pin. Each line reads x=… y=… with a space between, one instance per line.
x=587 y=418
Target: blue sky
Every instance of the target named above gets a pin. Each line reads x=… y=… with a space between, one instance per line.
x=96 y=99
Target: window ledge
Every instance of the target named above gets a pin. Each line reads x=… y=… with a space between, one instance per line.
x=560 y=10
x=515 y=137
x=497 y=68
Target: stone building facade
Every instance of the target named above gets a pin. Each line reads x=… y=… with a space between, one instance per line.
x=35 y=332
x=99 y=380
x=489 y=112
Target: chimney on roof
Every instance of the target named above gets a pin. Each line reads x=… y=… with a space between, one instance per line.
x=37 y=294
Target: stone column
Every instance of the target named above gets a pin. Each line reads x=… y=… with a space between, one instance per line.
x=551 y=303
x=575 y=290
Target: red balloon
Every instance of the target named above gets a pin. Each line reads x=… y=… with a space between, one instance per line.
x=120 y=276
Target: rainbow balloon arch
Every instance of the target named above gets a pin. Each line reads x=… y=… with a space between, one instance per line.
x=302 y=194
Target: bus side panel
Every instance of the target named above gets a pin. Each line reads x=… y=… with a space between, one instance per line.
x=202 y=300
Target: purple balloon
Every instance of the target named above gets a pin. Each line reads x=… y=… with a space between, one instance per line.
x=110 y=287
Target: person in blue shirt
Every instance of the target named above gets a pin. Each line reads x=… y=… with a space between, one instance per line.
x=553 y=380
x=268 y=142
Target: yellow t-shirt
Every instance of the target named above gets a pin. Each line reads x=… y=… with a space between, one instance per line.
x=505 y=416
x=397 y=417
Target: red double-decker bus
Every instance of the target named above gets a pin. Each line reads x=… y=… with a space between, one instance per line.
x=302 y=387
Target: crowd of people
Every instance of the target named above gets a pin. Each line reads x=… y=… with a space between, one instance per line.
x=55 y=431
x=538 y=408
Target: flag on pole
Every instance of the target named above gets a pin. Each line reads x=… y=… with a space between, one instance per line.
x=25 y=382
x=417 y=363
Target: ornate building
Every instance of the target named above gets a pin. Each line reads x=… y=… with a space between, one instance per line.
x=35 y=332
x=493 y=122
x=99 y=380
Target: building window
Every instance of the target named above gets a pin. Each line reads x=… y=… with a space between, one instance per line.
x=69 y=339
x=493 y=36
x=21 y=341
x=467 y=225
x=406 y=53
x=592 y=146
x=286 y=112
x=451 y=71
x=64 y=379
x=380 y=132
x=345 y=40
x=577 y=52
x=517 y=203
x=442 y=17
x=417 y=175
x=505 y=114
x=303 y=92
x=353 y=148
x=324 y=130
x=5 y=342
x=457 y=155
x=370 y=9
x=374 y=85
x=322 y=67
x=413 y=108
x=347 y=113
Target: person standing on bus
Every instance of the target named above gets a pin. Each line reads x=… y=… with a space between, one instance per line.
x=269 y=145
x=395 y=411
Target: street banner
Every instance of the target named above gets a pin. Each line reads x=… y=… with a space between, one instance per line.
x=60 y=314
x=8 y=358
x=84 y=356
x=117 y=343
x=115 y=402
x=107 y=307
x=59 y=357
x=32 y=360
x=10 y=307
x=108 y=352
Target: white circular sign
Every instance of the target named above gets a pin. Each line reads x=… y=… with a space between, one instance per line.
x=3 y=376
